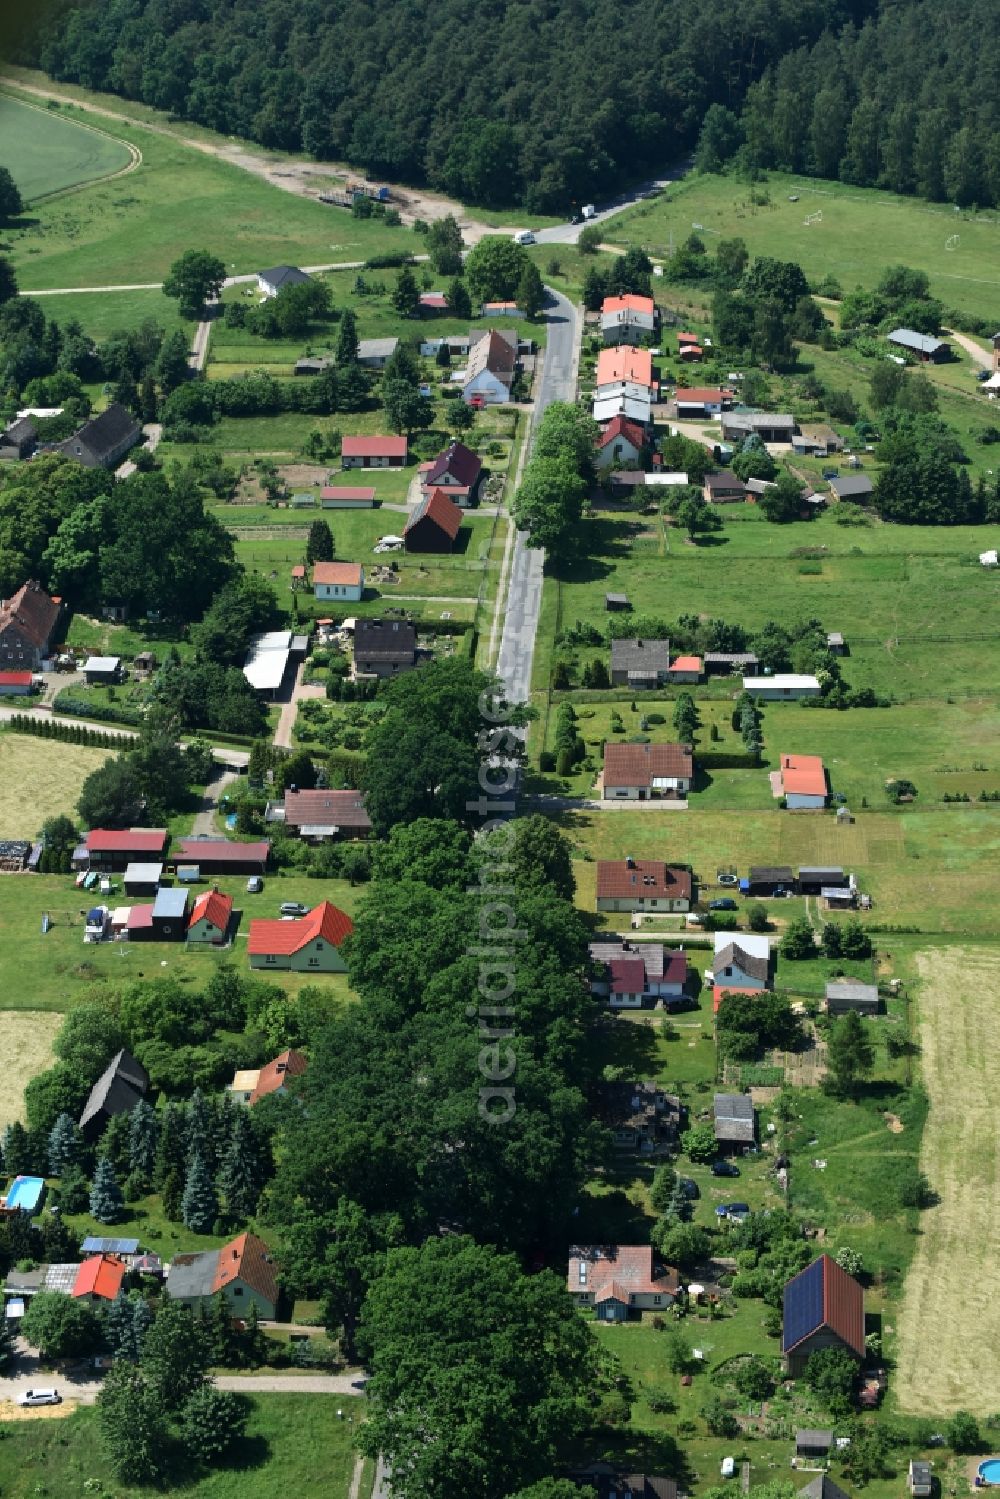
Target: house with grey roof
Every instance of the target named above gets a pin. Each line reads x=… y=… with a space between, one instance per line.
x=854 y=487
x=846 y=994
x=734 y=1120
x=640 y=663
x=117 y=1091
x=19 y=440
x=926 y=348
x=375 y=353
x=103 y=441
x=278 y=277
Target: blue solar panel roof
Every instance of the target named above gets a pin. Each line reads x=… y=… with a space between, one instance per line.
x=95 y=1245
x=803 y=1310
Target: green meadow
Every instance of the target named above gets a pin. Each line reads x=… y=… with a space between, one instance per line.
x=47 y=153
x=859 y=231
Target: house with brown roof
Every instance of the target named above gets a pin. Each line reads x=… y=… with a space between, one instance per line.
x=457 y=470
x=724 y=488
x=114 y=849
x=490 y=371
x=646 y=772
x=642 y=885
x=823 y=1307
x=640 y=1116
x=434 y=524
x=242 y=1273
x=384 y=647
x=307 y=944
x=373 y=451
x=638 y=975
x=222 y=855
x=620 y=1280
x=322 y=816
x=27 y=621
x=343 y=582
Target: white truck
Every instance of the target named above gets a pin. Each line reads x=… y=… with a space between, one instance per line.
x=588 y=211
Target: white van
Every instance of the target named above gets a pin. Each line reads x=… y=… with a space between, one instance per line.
x=524 y=237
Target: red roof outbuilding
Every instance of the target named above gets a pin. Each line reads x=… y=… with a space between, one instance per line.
x=100 y=1275
x=126 y=841
x=215 y=907
x=272 y=1078
x=368 y=446
x=15 y=679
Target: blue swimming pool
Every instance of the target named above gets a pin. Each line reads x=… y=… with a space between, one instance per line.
x=26 y=1193
x=989 y=1471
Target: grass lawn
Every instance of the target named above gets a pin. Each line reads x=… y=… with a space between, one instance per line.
x=934 y=870
x=48 y=972
x=51 y=153
x=100 y=637
x=912 y=602
x=133 y=229
x=861 y=232
x=294 y=1444
x=39 y=778
x=961 y=1151
x=26 y=1038
x=102 y=313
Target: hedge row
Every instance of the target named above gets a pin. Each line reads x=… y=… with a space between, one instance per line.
x=44 y=728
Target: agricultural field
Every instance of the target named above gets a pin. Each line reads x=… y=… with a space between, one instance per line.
x=292 y=1445
x=26 y=1038
x=47 y=972
x=961 y=1149
x=39 y=778
x=49 y=153
x=853 y=233
x=132 y=229
x=102 y=313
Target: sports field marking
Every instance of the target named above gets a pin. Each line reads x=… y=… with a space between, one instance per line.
x=953 y=1284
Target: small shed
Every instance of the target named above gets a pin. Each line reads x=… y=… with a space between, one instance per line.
x=920 y=1479
x=15 y=683
x=844 y=994
x=616 y=602
x=143 y=879
x=170 y=914
x=810 y=1442
x=102 y=670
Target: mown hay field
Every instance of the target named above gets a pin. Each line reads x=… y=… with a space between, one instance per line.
x=953 y=1284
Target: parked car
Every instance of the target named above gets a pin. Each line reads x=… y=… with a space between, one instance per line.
x=738 y=1209
x=725 y=1168
x=293 y=908
x=727 y=879
x=254 y=885
x=779 y=892
x=690 y=1188
x=724 y=903
x=46 y=1396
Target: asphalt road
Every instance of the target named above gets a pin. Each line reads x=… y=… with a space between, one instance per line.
x=568 y=234
x=524 y=598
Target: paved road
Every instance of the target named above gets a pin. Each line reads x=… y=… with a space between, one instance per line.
x=524 y=598
x=291 y=1384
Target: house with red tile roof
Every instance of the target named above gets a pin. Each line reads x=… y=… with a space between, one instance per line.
x=99 y=1279
x=624 y=366
x=629 y=319
x=273 y=1077
x=346 y=497
x=802 y=781
x=620 y=1280
x=210 y=918
x=458 y=470
x=306 y=944
x=343 y=581
x=242 y=1272
x=701 y=400
x=619 y=443
x=646 y=772
x=685 y=669
x=15 y=683
x=368 y=451
x=433 y=525
x=642 y=885
x=824 y=1307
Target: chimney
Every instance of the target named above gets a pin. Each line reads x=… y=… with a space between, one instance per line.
x=629 y=862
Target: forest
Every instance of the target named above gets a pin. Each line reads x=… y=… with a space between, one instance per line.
x=545 y=105
x=529 y=104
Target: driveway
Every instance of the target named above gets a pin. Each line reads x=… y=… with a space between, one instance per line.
x=300 y=691
x=982 y=357
x=524 y=598
x=291 y=1384
x=204 y=819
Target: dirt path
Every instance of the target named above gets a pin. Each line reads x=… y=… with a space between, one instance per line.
x=952 y=1287
x=983 y=357
x=291 y=1384
x=204 y=819
x=293 y=174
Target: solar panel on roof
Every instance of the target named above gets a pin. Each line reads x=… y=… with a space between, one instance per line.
x=94 y=1244
x=803 y=1305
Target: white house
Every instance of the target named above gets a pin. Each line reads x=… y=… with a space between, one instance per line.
x=278 y=277
x=489 y=374
x=782 y=687
x=628 y=319
x=343 y=581
x=621 y=442
x=634 y=976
